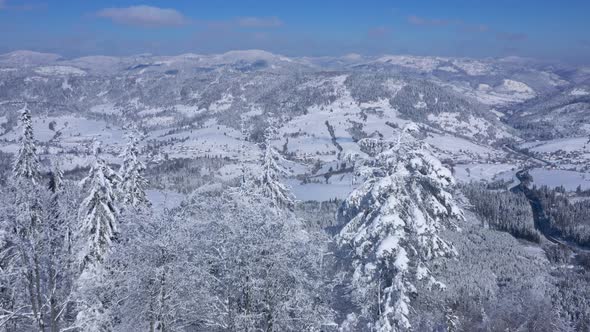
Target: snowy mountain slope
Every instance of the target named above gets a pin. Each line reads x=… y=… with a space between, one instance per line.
x=192 y=106
x=27 y=58
x=561 y=114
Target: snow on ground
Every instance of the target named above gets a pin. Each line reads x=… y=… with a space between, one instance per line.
x=394 y=86
x=160 y=121
x=222 y=104
x=556 y=177
x=212 y=140
x=448 y=68
x=508 y=92
x=105 y=109
x=26 y=58
x=66 y=86
x=150 y=111
x=68 y=162
x=73 y=130
x=449 y=121
x=319 y=191
x=60 y=70
x=483 y=172
x=579 y=92
x=516 y=87
x=254 y=111
x=309 y=135
x=188 y=111
x=472 y=67
x=564 y=144
x=426 y=64
x=230 y=171
x=9 y=148
x=458 y=149
x=164 y=199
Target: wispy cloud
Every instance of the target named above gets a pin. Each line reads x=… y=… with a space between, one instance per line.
x=511 y=36
x=259 y=22
x=144 y=16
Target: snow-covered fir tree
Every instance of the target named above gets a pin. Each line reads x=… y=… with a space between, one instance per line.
x=392 y=226
x=25 y=221
x=35 y=220
x=26 y=164
x=133 y=182
x=98 y=216
x=56 y=178
x=270 y=181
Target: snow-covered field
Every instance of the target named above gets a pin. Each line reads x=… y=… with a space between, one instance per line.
x=164 y=199
x=484 y=172
x=555 y=178
x=320 y=191
x=563 y=144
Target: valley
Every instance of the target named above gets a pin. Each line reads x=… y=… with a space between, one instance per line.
x=215 y=106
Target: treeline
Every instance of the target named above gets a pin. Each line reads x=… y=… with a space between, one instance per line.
x=571 y=219
x=503 y=210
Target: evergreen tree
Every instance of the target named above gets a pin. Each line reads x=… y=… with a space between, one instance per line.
x=56 y=179
x=26 y=164
x=34 y=223
x=392 y=225
x=271 y=185
x=99 y=225
x=98 y=214
x=131 y=173
x=26 y=236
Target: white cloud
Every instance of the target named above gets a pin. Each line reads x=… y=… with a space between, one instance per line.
x=260 y=22
x=145 y=16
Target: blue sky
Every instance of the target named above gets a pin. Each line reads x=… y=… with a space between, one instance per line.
x=542 y=29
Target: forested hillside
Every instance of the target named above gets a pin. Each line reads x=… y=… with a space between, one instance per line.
x=249 y=191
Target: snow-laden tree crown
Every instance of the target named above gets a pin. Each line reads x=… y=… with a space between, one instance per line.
x=133 y=182
x=26 y=164
x=272 y=170
x=392 y=227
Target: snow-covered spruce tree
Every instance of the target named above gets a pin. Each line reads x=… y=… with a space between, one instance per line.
x=98 y=215
x=33 y=253
x=98 y=228
x=133 y=182
x=270 y=181
x=22 y=228
x=26 y=164
x=392 y=228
